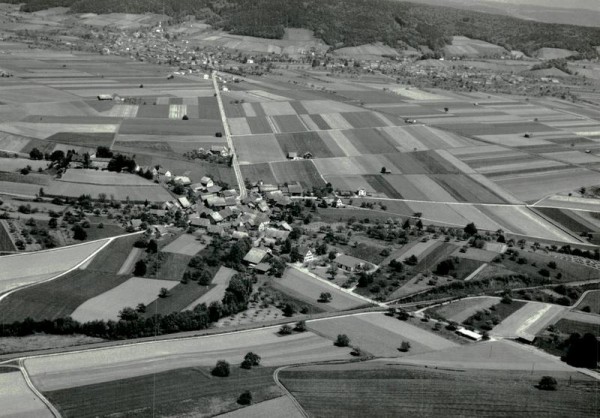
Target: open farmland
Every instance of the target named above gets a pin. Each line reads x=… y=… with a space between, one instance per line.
x=69 y=370
x=372 y=388
x=461 y=310
x=17 y=399
x=591 y=299
x=528 y=320
x=381 y=335
x=306 y=288
x=282 y=407
x=107 y=305
x=24 y=269
x=60 y=297
x=183 y=391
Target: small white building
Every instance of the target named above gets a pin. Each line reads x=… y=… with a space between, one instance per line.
x=361 y=192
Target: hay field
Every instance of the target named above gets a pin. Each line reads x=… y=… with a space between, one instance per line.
x=129 y=263
x=70 y=370
x=129 y=294
x=281 y=407
x=23 y=269
x=258 y=149
x=137 y=193
x=306 y=288
x=380 y=334
x=17 y=399
x=303 y=171
x=186 y=244
x=105 y=178
x=221 y=281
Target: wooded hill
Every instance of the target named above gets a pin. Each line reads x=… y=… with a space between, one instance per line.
x=343 y=23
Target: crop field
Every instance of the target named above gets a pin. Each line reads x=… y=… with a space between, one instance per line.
x=129 y=263
x=372 y=388
x=170 y=127
x=83 y=139
x=107 y=305
x=136 y=193
x=380 y=335
x=216 y=293
x=69 y=370
x=281 y=407
x=184 y=391
x=528 y=320
x=462 y=309
x=60 y=297
x=23 y=269
x=569 y=327
x=308 y=289
x=104 y=178
x=258 y=149
x=17 y=399
x=571 y=220
x=186 y=245
x=303 y=171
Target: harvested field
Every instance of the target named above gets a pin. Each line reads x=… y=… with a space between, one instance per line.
x=70 y=370
x=60 y=297
x=105 y=178
x=239 y=126
x=372 y=388
x=380 y=334
x=23 y=269
x=83 y=139
x=216 y=293
x=529 y=320
x=170 y=127
x=462 y=309
x=306 y=288
x=186 y=391
x=16 y=397
x=186 y=244
x=128 y=294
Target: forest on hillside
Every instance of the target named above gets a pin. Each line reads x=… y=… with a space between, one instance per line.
x=343 y=23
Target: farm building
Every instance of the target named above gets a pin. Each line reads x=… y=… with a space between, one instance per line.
x=469 y=334
x=276 y=234
x=239 y=235
x=262 y=268
x=160 y=230
x=135 y=224
x=349 y=263
x=292 y=155
x=306 y=254
x=182 y=180
x=200 y=222
x=294 y=189
x=215 y=230
x=361 y=192
x=255 y=256
x=206 y=182
x=216 y=217
x=216 y=202
x=105 y=97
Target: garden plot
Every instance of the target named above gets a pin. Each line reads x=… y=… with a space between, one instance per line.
x=380 y=335
x=129 y=294
x=87 y=367
x=258 y=149
x=465 y=308
x=177 y=111
x=23 y=269
x=529 y=320
x=307 y=288
x=221 y=281
x=17 y=399
x=186 y=244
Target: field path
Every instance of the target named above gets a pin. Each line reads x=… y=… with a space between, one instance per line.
x=287 y=392
x=235 y=164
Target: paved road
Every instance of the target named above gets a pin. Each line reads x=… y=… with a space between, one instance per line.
x=234 y=162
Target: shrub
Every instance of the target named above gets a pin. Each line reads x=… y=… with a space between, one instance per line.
x=342 y=340
x=245 y=398
x=285 y=330
x=404 y=347
x=300 y=326
x=547 y=383
x=221 y=369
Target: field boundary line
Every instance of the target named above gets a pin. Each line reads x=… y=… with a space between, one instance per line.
x=81 y=263
x=37 y=393
x=476 y=272
x=287 y=392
